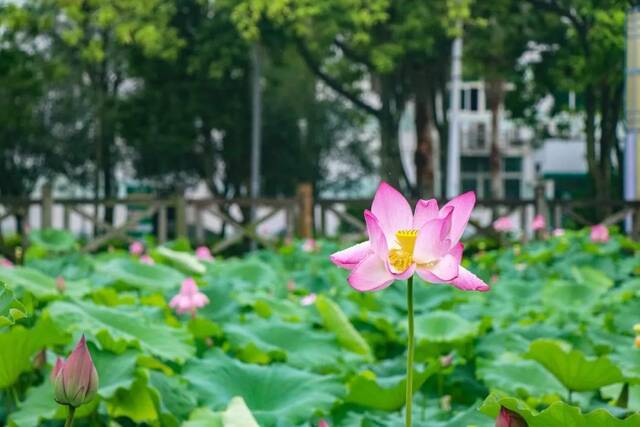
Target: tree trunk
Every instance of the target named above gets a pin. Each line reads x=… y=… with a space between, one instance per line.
x=495 y=98
x=590 y=130
x=391 y=169
x=423 y=156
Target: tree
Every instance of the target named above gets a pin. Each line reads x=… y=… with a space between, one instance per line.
x=347 y=44
x=582 y=50
x=496 y=40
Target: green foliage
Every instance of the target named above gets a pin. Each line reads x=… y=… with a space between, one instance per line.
x=11 y=309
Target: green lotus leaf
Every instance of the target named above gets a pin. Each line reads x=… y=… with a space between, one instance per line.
x=18 y=345
x=557 y=414
x=116 y=371
x=337 y=322
x=27 y=279
x=137 y=403
x=275 y=393
x=444 y=327
x=150 y=278
x=383 y=387
x=272 y=340
x=572 y=368
x=117 y=328
x=53 y=240
x=174 y=401
x=10 y=308
x=183 y=261
x=574 y=297
x=523 y=378
x=237 y=414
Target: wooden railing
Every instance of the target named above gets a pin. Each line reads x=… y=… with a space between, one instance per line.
x=229 y=221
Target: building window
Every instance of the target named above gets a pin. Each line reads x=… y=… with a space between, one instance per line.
x=512 y=164
x=474 y=100
x=512 y=188
x=468 y=184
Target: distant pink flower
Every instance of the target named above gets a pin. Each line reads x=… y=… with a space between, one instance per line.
x=309 y=245
x=60 y=284
x=503 y=224
x=558 y=232
x=538 y=223
x=6 y=263
x=323 y=423
x=308 y=300
x=136 y=248
x=507 y=418
x=76 y=379
x=203 y=253
x=446 y=361
x=291 y=286
x=599 y=233
x=402 y=243
x=146 y=259
x=189 y=299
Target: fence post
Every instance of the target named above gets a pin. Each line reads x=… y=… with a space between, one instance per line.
x=181 y=215
x=305 y=210
x=46 y=208
x=162 y=223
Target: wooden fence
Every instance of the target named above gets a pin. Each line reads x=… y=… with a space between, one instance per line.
x=229 y=221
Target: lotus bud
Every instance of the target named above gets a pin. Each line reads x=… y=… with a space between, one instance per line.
x=60 y=284
x=323 y=423
x=203 y=253
x=136 y=248
x=308 y=300
x=446 y=361
x=507 y=418
x=76 y=379
x=40 y=359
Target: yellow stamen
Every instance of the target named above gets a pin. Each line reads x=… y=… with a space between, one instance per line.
x=401 y=259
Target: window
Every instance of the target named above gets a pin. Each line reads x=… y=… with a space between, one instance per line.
x=512 y=188
x=474 y=164
x=512 y=164
x=474 y=100
x=463 y=99
x=469 y=184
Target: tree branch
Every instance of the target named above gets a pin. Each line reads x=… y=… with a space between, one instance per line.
x=332 y=82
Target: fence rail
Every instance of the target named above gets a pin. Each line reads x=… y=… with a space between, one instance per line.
x=230 y=220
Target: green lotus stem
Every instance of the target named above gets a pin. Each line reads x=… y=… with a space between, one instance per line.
x=70 y=415
x=409 y=352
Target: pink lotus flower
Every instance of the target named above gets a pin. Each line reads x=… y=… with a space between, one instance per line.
x=291 y=286
x=136 y=248
x=146 y=259
x=189 y=299
x=6 y=263
x=599 y=233
x=558 y=232
x=503 y=224
x=538 y=223
x=76 y=380
x=203 y=253
x=402 y=243
x=308 y=300
x=507 y=418
x=309 y=245
x=323 y=423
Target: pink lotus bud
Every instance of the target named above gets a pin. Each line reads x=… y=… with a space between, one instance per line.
x=6 y=263
x=558 y=232
x=508 y=418
x=309 y=245
x=539 y=223
x=204 y=254
x=136 y=248
x=60 y=284
x=146 y=259
x=189 y=299
x=503 y=224
x=599 y=233
x=308 y=300
x=323 y=423
x=76 y=380
x=446 y=361
x=291 y=286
